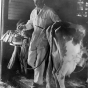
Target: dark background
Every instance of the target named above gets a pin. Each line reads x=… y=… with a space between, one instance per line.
x=14 y=10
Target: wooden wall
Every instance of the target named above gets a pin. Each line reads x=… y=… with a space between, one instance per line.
x=19 y=8
x=66 y=9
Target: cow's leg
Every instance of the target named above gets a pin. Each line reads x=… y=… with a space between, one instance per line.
x=61 y=79
x=67 y=69
x=61 y=76
x=55 y=79
x=47 y=82
x=48 y=77
x=56 y=62
x=49 y=74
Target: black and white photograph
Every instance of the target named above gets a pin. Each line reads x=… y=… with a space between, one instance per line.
x=43 y=43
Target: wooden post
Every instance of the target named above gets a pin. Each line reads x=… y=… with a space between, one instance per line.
x=1 y=33
x=0 y=41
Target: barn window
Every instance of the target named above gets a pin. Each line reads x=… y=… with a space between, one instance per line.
x=82 y=8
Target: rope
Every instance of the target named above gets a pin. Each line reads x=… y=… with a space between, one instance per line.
x=41 y=61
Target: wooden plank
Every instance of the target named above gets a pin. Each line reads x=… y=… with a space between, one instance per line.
x=17 y=8
x=13 y=17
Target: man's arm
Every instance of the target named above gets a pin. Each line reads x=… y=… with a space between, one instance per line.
x=28 y=25
x=54 y=17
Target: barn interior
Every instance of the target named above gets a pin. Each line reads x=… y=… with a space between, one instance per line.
x=75 y=11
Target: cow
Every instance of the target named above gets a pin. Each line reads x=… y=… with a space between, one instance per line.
x=66 y=44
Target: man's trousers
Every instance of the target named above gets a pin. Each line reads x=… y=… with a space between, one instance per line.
x=35 y=58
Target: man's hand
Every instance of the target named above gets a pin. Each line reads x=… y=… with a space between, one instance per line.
x=20 y=27
x=26 y=33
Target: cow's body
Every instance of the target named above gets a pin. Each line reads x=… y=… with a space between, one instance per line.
x=67 y=49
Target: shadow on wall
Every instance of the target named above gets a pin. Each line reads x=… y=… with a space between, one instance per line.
x=66 y=9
